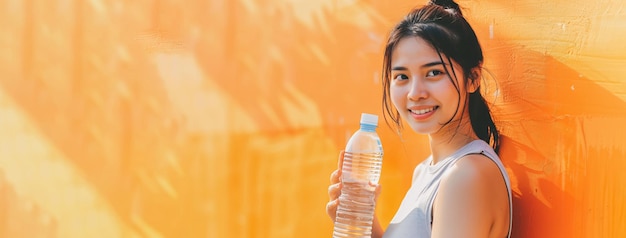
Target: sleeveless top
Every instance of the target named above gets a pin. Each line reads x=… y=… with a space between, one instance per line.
x=414 y=217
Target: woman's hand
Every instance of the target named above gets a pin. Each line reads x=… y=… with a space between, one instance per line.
x=334 y=190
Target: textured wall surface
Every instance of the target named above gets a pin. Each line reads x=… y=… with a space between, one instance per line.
x=162 y=118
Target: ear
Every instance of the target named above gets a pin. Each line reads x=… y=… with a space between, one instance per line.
x=473 y=81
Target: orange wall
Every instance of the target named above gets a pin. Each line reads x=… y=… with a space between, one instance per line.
x=224 y=118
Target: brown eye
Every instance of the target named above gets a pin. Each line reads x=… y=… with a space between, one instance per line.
x=433 y=73
x=401 y=77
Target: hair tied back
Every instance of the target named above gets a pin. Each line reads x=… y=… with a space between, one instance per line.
x=447 y=4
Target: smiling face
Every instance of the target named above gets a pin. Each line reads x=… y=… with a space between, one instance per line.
x=423 y=91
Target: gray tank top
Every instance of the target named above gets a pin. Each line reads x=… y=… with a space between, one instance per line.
x=414 y=217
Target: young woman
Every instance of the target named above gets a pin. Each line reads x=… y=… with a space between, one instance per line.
x=431 y=80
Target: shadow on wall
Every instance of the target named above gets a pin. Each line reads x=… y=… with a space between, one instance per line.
x=108 y=109
x=541 y=208
x=21 y=217
x=558 y=129
x=97 y=98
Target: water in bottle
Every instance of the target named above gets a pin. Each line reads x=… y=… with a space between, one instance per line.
x=360 y=174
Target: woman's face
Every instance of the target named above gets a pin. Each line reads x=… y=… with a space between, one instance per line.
x=422 y=91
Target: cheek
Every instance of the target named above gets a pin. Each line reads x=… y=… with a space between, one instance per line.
x=396 y=95
x=453 y=100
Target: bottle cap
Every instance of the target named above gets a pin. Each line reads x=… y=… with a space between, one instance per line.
x=369 y=119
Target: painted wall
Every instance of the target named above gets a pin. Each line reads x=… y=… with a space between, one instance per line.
x=225 y=118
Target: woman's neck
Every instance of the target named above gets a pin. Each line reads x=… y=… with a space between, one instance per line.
x=450 y=139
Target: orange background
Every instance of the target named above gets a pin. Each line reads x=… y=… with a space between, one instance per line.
x=162 y=118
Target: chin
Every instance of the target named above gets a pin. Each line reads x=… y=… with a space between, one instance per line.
x=422 y=129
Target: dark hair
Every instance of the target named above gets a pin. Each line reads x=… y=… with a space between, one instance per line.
x=442 y=25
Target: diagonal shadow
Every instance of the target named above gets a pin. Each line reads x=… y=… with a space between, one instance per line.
x=546 y=113
x=107 y=113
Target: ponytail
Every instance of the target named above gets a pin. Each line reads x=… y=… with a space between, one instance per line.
x=447 y=4
x=481 y=120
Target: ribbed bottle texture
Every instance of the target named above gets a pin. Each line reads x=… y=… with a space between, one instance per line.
x=361 y=169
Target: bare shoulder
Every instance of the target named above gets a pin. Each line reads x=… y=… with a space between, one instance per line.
x=474 y=167
x=473 y=175
x=473 y=196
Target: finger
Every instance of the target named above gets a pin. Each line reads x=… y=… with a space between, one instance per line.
x=379 y=189
x=334 y=191
x=340 y=160
x=334 y=176
x=331 y=209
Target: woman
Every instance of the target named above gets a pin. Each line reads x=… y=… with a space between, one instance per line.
x=431 y=80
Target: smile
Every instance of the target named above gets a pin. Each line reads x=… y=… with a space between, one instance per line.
x=423 y=111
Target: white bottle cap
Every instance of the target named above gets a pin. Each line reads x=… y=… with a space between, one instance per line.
x=369 y=119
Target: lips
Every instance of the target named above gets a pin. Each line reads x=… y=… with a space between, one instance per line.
x=422 y=113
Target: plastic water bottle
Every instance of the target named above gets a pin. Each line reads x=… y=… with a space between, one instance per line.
x=360 y=172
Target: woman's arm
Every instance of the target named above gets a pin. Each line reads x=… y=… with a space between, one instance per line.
x=472 y=201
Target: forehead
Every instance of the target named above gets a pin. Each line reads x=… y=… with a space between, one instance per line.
x=410 y=50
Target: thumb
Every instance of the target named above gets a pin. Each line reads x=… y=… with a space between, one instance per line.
x=340 y=160
x=377 y=190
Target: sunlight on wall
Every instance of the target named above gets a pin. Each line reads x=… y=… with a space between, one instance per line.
x=225 y=118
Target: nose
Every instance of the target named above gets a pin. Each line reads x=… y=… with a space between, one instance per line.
x=417 y=90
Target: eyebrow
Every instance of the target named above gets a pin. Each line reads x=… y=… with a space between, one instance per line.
x=423 y=66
